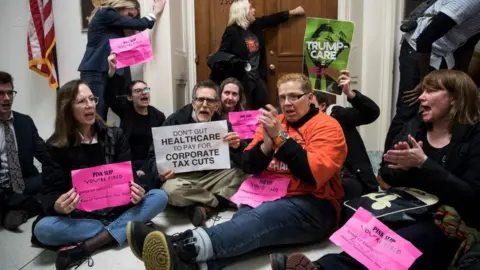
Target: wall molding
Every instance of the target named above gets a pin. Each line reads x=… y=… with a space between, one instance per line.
x=378 y=66
x=191 y=38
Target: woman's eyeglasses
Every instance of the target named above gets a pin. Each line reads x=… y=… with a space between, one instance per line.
x=139 y=90
x=291 y=97
x=86 y=101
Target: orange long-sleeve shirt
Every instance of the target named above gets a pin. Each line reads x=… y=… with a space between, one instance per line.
x=323 y=140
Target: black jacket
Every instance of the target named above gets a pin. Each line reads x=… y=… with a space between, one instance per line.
x=125 y=111
x=363 y=112
x=29 y=143
x=105 y=25
x=456 y=181
x=233 y=39
x=225 y=65
x=184 y=116
x=59 y=162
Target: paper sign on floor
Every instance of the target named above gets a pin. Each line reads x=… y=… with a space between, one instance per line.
x=373 y=244
x=259 y=189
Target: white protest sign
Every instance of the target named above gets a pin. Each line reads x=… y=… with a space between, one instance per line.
x=192 y=147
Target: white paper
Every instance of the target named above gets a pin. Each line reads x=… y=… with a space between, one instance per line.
x=192 y=147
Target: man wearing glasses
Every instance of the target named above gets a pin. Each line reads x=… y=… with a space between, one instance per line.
x=204 y=193
x=20 y=180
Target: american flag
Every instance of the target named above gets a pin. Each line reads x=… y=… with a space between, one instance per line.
x=41 y=40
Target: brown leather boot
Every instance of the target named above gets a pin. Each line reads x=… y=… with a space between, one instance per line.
x=199 y=214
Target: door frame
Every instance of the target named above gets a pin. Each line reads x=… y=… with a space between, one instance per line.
x=344 y=13
x=192 y=53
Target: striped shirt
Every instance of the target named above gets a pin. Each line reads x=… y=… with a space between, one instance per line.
x=465 y=13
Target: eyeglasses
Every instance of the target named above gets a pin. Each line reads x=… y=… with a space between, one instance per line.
x=139 y=90
x=291 y=97
x=87 y=101
x=9 y=93
x=210 y=101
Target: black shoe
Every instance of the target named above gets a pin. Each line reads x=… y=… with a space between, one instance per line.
x=136 y=234
x=13 y=219
x=199 y=215
x=72 y=256
x=164 y=252
x=296 y=261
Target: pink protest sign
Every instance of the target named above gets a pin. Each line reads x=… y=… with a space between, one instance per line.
x=245 y=123
x=103 y=186
x=258 y=189
x=373 y=244
x=132 y=50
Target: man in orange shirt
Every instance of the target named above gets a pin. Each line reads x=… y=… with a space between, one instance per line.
x=302 y=148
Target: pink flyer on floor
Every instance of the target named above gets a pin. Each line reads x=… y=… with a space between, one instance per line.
x=373 y=244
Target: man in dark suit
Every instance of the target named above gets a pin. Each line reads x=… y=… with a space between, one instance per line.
x=20 y=180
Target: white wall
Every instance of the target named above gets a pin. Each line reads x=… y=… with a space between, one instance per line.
x=35 y=98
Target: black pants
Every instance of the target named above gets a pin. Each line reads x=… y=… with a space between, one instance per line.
x=409 y=79
x=257 y=96
x=438 y=250
x=27 y=201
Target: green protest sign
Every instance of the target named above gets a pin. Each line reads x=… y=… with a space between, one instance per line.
x=326 y=48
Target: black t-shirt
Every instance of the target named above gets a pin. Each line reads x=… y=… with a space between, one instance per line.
x=438 y=155
x=141 y=137
x=251 y=41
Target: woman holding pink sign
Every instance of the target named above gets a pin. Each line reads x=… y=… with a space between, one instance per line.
x=437 y=152
x=109 y=20
x=81 y=142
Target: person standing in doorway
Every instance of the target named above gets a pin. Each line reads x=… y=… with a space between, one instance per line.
x=244 y=38
x=110 y=20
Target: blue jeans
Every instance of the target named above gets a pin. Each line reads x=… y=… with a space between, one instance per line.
x=97 y=82
x=62 y=231
x=294 y=220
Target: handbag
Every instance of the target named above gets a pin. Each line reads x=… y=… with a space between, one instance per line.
x=399 y=204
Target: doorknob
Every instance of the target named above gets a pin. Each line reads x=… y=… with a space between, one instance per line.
x=272 y=67
x=272 y=53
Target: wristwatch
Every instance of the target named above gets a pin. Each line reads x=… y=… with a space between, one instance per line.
x=281 y=138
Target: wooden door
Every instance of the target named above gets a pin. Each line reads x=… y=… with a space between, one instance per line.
x=283 y=43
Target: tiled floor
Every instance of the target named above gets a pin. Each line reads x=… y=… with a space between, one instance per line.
x=17 y=253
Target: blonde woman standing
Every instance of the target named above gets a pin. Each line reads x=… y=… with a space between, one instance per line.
x=244 y=38
x=107 y=21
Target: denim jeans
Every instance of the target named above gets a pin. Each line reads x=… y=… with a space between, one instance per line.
x=97 y=82
x=293 y=220
x=61 y=230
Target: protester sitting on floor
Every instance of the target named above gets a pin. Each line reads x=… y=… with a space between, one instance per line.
x=303 y=146
x=357 y=173
x=204 y=193
x=232 y=97
x=20 y=181
x=81 y=140
x=437 y=152
x=137 y=119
